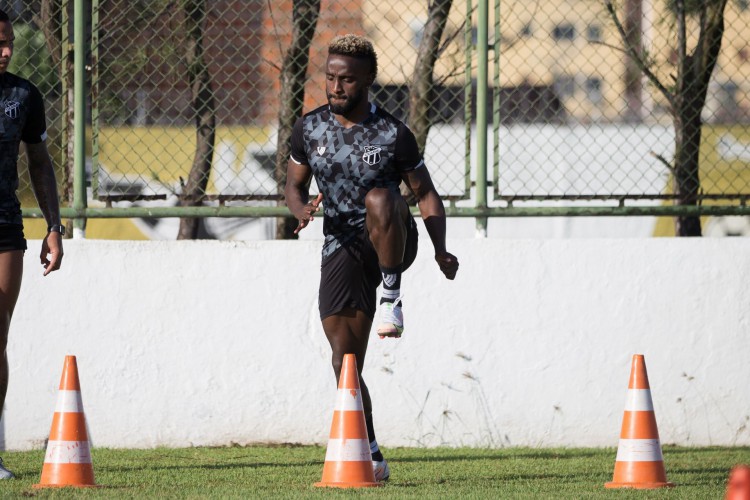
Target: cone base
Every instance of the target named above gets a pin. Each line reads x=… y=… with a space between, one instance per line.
x=40 y=486
x=347 y=485
x=640 y=486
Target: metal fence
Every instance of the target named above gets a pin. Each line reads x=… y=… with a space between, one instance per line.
x=534 y=106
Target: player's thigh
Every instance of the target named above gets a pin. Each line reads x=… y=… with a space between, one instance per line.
x=11 y=273
x=412 y=243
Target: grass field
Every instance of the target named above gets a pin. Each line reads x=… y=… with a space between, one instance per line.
x=290 y=471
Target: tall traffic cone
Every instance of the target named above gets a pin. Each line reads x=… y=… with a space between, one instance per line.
x=738 y=487
x=348 y=459
x=68 y=458
x=639 y=463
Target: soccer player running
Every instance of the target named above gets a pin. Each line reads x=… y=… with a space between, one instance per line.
x=22 y=119
x=359 y=154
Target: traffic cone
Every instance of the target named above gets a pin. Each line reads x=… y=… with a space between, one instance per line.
x=348 y=459
x=738 y=487
x=639 y=463
x=68 y=458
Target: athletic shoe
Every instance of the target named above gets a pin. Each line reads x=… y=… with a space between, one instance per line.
x=381 y=470
x=5 y=473
x=391 y=320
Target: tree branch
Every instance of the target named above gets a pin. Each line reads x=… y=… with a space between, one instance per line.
x=635 y=56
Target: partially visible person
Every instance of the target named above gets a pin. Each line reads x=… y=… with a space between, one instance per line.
x=22 y=120
x=359 y=154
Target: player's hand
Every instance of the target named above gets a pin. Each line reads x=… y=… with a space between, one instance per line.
x=448 y=264
x=308 y=213
x=52 y=252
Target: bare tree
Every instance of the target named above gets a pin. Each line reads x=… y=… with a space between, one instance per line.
x=633 y=25
x=422 y=86
x=50 y=22
x=205 y=116
x=686 y=96
x=293 y=77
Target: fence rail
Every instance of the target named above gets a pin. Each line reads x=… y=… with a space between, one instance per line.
x=535 y=108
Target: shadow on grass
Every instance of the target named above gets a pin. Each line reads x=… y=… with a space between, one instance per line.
x=672 y=450
x=224 y=466
x=503 y=455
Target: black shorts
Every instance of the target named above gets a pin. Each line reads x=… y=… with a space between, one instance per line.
x=11 y=237
x=351 y=275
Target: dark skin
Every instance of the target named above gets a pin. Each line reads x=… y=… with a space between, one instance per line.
x=11 y=262
x=348 y=81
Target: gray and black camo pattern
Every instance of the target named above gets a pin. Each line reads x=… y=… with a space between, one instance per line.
x=18 y=99
x=349 y=162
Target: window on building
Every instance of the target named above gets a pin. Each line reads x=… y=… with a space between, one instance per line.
x=565 y=85
x=593 y=88
x=594 y=33
x=564 y=31
x=743 y=55
x=417 y=31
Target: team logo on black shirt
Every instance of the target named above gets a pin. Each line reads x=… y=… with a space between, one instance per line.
x=372 y=155
x=11 y=109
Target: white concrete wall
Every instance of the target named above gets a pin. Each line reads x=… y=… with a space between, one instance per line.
x=211 y=343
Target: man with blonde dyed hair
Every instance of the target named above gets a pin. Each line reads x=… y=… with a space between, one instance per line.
x=359 y=154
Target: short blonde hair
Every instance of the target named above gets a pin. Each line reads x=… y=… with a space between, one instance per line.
x=354 y=46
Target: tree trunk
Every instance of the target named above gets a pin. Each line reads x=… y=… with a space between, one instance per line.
x=633 y=89
x=694 y=75
x=293 y=76
x=205 y=116
x=422 y=87
x=686 y=172
x=49 y=20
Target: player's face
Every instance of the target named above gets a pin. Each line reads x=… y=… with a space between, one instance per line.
x=6 y=45
x=348 y=80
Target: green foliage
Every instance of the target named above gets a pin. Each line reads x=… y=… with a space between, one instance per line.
x=31 y=60
x=290 y=471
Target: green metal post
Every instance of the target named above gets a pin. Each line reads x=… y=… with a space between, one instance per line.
x=496 y=103
x=94 y=97
x=482 y=53
x=79 y=119
x=468 y=93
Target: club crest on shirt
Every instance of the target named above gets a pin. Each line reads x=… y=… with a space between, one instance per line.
x=11 y=109
x=371 y=155
x=321 y=150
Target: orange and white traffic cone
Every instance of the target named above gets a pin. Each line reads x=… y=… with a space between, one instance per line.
x=639 y=463
x=738 y=487
x=348 y=459
x=68 y=458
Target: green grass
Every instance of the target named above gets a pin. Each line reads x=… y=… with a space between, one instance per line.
x=290 y=471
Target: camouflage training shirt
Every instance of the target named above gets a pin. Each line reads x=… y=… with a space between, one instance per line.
x=348 y=162
x=22 y=119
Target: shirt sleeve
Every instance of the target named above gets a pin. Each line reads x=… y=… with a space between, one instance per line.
x=408 y=156
x=35 y=129
x=298 y=154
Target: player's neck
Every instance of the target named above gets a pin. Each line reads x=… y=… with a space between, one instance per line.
x=355 y=116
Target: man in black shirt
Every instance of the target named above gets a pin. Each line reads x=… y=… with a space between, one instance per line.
x=22 y=120
x=359 y=154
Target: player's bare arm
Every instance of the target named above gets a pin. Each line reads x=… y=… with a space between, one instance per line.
x=297 y=194
x=44 y=185
x=433 y=214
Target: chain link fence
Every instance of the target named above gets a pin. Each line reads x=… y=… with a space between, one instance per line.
x=572 y=120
